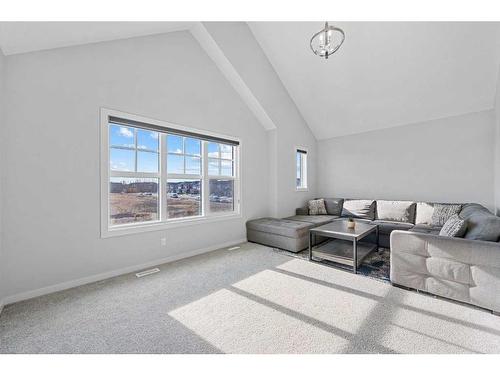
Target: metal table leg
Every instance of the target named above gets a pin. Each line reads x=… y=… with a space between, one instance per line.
x=355 y=255
x=310 y=245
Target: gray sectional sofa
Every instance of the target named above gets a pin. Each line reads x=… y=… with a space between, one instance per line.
x=389 y=215
x=465 y=269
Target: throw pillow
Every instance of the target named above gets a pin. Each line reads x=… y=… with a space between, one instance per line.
x=359 y=208
x=424 y=213
x=317 y=207
x=442 y=212
x=454 y=227
x=334 y=206
x=401 y=211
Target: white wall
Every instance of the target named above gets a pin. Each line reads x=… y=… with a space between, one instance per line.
x=497 y=147
x=246 y=55
x=2 y=266
x=52 y=229
x=446 y=160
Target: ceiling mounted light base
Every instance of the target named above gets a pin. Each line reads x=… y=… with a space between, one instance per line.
x=327 y=41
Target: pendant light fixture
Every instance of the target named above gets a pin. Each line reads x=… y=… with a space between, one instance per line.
x=327 y=41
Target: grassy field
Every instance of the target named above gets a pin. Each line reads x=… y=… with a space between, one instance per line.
x=136 y=207
x=133 y=207
x=183 y=206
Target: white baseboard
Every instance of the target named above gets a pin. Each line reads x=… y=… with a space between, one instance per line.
x=106 y=275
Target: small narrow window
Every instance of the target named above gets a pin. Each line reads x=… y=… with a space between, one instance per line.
x=301 y=169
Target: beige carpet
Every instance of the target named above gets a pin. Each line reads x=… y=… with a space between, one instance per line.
x=250 y=300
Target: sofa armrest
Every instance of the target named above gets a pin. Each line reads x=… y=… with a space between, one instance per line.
x=302 y=211
x=456 y=268
x=475 y=252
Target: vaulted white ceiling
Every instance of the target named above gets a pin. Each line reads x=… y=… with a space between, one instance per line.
x=20 y=37
x=386 y=74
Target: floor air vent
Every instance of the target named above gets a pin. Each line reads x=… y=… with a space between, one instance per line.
x=147 y=272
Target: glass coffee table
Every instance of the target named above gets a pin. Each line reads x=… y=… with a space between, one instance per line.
x=343 y=245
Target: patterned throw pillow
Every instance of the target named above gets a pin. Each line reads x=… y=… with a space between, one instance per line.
x=317 y=207
x=442 y=212
x=454 y=227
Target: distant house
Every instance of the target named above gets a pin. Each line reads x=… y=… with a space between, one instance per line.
x=134 y=187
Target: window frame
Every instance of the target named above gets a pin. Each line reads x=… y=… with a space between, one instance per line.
x=219 y=176
x=303 y=168
x=108 y=230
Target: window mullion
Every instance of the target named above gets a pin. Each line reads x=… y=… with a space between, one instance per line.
x=184 y=154
x=133 y=174
x=205 y=190
x=236 y=174
x=219 y=161
x=136 y=156
x=177 y=176
x=163 y=177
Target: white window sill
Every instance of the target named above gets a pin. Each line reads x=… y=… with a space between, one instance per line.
x=301 y=189
x=157 y=226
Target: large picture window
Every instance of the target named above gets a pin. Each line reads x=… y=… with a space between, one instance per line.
x=157 y=173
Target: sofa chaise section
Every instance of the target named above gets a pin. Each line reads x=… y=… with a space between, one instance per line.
x=285 y=234
x=291 y=233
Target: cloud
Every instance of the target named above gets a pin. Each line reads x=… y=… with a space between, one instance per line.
x=126 y=132
x=154 y=135
x=121 y=166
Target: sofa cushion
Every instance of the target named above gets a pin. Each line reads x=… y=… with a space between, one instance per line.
x=282 y=227
x=423 y=215
x=481 y=223
x=313 y=219
x=359 y=208
x=317 y=207
x=386 y=227
x=334 y=206
x=442 y=212
x=302 y=211
x=401 y=211
x=454 y=227
x=471 y=209
x=483 y=226
x=448 y=269
x=428 y=229
x=435 y=214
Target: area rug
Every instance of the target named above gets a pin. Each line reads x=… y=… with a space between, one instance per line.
x=376 y=265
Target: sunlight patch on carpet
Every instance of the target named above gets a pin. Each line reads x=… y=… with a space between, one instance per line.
x=236 y=324
x=335 y=307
